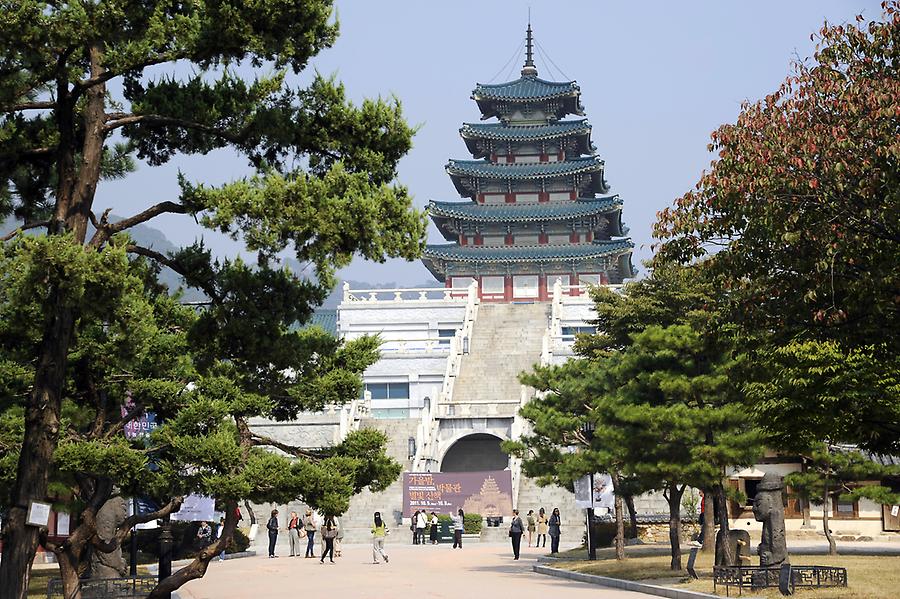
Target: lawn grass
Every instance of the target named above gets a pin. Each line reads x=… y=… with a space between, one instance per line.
x=869 y=577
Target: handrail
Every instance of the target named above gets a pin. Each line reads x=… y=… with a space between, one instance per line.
x=427 y=432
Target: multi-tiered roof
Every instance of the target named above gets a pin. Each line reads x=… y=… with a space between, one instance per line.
x=538 y=205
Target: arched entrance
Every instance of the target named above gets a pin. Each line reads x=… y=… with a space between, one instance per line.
x=477 y=452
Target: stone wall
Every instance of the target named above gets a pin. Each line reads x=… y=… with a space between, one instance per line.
x=659 y=532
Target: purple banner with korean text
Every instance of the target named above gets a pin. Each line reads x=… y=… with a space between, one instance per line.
x=485 y=493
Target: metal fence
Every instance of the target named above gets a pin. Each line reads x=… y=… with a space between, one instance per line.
x=102 y=588
x=757 y=577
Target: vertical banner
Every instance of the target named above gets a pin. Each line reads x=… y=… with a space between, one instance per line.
x=594 y=491
x=485 y=493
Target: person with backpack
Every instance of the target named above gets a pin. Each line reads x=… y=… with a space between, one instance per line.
x=379 y=532
x=329 y=533
x=272 y=527
x=515 y=533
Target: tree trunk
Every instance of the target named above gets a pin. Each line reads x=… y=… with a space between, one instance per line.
x=725 y=555
x=674 y=494
x=75 y=194
x=197 y=568
x=632 y=516
x=832 y=546
x=20 y=542
x=807 y=515
x=709 y=522
x=68 y=573
x=620 y=529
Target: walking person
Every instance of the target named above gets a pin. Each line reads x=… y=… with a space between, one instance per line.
x=379 y=532
x=554 y=530
x=339 y=539
x=218 y=533
x=272 y=527
x=421 y=522
x=458 y=522
x=309 y=525
x=530 y=523
x=515 y=533
x=542 y=528
x=294 y=534
x=433 y=532
x=412 y=527
x=329 y=533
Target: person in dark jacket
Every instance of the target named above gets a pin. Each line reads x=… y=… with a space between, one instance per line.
x=554 y=530
x=272 y=526
x=516 y=528
x=329 y=533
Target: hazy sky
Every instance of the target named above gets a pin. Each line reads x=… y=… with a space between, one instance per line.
x=656 y=78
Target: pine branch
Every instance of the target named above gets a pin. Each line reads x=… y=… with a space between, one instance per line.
x=119 y=119
x=106 y=230
x=263 y=441
x=25 y=227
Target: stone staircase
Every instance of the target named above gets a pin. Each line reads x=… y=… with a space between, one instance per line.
x=358 y=519
x=506 y=340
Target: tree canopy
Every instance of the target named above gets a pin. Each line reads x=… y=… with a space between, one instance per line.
x=92 y=91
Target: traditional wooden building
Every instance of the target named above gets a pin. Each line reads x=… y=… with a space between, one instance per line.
x=538 y=206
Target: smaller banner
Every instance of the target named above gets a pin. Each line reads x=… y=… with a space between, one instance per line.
x=485 y=493
x=141 y=426
x=196 y=508
x=594 y=491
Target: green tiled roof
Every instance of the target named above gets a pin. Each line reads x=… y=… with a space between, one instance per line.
x=525 y=212
x=535 y=253
x=503 y=132
x=485 y=168
x=325 y=318
x=525 y=88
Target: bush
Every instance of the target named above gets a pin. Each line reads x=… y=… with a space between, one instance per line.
x=472 y=524
x=603 y=534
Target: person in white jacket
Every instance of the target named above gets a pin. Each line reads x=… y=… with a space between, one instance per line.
x=421 y=522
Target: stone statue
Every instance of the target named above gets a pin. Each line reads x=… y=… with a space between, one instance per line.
x=768 y=508
x=110 y=565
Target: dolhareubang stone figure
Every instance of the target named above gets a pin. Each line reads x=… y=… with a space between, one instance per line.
x=768 y=508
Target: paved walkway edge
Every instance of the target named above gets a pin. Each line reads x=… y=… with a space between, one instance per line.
x=626 y=585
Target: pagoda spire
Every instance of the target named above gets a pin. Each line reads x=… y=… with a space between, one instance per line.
x=529 y=70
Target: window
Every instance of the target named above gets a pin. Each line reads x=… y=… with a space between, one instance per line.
x=844 y=509
x=445 y=335
x=572 y=331
x=389 y=413
x=388 y=390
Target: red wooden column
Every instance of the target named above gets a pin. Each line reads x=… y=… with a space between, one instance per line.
x=508 y=288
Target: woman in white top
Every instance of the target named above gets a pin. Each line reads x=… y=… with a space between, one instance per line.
x=421 y=522
x=458 y=522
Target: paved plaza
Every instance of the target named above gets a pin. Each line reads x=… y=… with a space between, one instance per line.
x=414 y=572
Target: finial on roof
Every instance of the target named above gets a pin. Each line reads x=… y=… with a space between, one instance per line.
x=529 y=70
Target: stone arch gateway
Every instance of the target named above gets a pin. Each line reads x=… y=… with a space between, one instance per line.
x=477 y=452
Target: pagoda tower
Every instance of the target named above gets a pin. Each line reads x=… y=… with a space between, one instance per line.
x=538 y=205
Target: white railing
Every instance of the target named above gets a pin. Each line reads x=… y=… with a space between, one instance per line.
x=352 y=413
x=427 y=432
x=410 y=294
x=417 y=345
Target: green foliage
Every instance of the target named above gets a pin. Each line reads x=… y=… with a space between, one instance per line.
x=800 y=218
x=472 y=524
x=838 y=472
x=822 y=390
